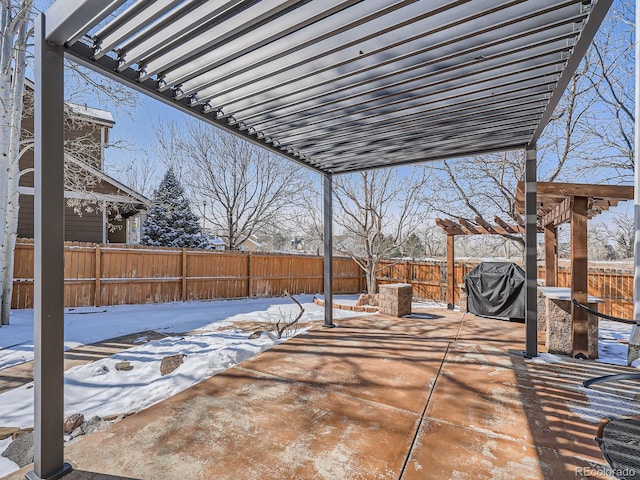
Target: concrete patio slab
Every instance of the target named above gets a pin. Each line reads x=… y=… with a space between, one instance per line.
x=444 y=396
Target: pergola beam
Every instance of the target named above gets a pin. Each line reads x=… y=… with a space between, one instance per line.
x=66 y=19
x=489 y=229
x=451 y=275
x=511 y=229
x=551 y=255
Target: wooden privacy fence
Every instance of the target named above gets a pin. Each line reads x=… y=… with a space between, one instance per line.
x=429 y=280
x=123 y=274
x=115 y=274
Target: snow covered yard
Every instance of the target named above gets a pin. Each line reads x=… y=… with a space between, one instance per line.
x=203 y=331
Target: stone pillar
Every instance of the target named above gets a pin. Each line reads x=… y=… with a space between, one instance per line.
x=560 y=328
x=395 y=299
x=542 y=312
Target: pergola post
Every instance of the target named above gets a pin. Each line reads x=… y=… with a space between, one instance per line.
x=49 y=260
x=579 y=275
x=531 y=247
x=634 y=339
x=451 y=274
x=328 y=251
x=550 y=255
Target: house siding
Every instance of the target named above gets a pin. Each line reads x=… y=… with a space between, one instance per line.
x=85 y=228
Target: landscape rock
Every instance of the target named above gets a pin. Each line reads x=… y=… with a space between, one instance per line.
x=95 y=424
x=72 y=422
x=20 y=450
x=367 y=299
x=21 y=431
x=170 y=363
x=256 y=334
x=6 y=432
x=126 y=366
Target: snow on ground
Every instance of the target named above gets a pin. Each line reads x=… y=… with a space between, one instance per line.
x=97 y=388
x=89 y=325
x=610 y=338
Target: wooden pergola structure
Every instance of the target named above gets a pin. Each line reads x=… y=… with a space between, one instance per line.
x=573 y=203
x=463 y=226
x=557 y=203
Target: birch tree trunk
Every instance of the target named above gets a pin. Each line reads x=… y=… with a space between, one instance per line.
x=14 y=33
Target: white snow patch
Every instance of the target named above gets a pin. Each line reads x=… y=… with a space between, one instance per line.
x=610 y=337
x=547 y=358
x=6 y=465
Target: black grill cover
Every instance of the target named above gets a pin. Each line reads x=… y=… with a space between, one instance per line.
x=496 y=289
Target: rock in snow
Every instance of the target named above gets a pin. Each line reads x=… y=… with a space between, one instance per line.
x=170 y=363
x=20 y=451
x=72 y=422
x=125 y=366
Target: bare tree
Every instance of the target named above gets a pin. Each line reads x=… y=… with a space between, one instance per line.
x=15 y=30
x=612 y=78
x=246 y=188
x=484 y=186
x=139 y=173
x=434 y=241
x=624 y=236
x=377 y=212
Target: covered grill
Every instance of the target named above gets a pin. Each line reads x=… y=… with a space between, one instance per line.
x=496 y=289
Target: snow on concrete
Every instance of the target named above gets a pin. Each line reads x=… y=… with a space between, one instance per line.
x=613 y=338
x=97 y=388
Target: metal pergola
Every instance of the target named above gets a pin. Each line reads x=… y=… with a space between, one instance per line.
x=338 y=86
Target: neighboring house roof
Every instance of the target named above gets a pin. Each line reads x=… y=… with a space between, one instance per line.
x=255 y=241
x=95 y=114
x=217 y=241
x=122 y=194
x=135 y=196
x=83 y=111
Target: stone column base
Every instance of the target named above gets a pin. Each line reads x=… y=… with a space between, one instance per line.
x=395 y=299
x=560 y=328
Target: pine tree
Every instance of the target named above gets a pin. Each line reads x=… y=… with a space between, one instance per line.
x=170 y=221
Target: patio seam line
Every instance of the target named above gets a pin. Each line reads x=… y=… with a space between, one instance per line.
x=424 y=412
x=336 y=392
x=460 y=327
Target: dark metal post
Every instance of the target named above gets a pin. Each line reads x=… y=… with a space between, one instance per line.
x=531 y=252
x=49 y=260
x=634 y=338
x=328 y=251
